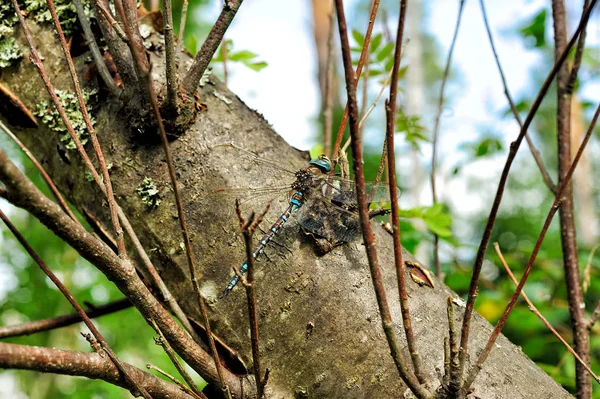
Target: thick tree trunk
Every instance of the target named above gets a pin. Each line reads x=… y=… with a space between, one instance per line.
x=321 y=335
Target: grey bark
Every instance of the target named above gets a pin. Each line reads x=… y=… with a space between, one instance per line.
x=345 y=354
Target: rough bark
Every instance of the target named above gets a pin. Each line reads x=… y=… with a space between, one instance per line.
x=320 y=329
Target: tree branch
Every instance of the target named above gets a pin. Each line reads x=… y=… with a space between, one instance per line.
x=90 y=365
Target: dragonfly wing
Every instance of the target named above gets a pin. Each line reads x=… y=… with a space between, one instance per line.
x=326 y=219
x=343 y=191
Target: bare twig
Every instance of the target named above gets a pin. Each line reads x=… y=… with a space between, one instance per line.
x=436 y=131
x=113 y=23
x=513 y=108
x=570 y=253
x=162 y=341
x=407 y=376
x=90 y=365
x=391 y=171
x=513 y=300
x=224 y=56
x=170 y=59
x=133 y=385
x=329 y=86
x=453 y=377
x=570 y=86
x=210 y=45
x=248 y=228
x=363 y=54
x=540 y=316
x=40 y=168
x=96 y=54
x=464 y=339
x=37 y=326
x=182 y=21
x=211 y=344
x=175 y=381
x=112 y=204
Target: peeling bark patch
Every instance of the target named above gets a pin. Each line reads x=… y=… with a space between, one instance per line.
x=221 y=97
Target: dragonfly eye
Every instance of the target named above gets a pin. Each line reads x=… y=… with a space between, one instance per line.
x=323 y=163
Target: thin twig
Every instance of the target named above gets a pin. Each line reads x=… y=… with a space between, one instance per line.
x=248 y=228
x=224 y=57
x=577 y=58
x=210 y=45
x=175 y=381
x=513 y=300
x=540 y=316
x=112 y=203
x=391 y=172
x=113 y=23
x=40 y=168
x=464 y=339
x=37 y=326
x=329 y=86
x=96 y=54
x=453 y=378
x=363 y=54
x=513 y=108
x=162 y=341
x=170 y=59
x=211 y=344
x=133 y=385
x=386 y=319
x=182 y=21
x=436 y=130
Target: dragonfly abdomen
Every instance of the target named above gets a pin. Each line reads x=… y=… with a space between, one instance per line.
x=296 y=202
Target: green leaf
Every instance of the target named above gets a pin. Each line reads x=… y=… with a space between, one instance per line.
x=256 y=66
x=375 y=42
x=536 y=29
x=242 y=55
x=358 y=37
x=385 y=52
x=375 y=72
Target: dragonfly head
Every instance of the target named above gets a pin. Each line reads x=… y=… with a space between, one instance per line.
x=323 y=163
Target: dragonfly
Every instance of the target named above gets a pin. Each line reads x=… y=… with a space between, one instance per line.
x=325 y=204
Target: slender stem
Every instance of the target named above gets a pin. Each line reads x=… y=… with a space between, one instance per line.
x=513 y=300
x=540 y=316
x=386 y=319
x=113 y=23
x=581 y=339
x=513 y=108
x=162 y=341
x=37 y=326
x=133 y=385
x=96 y=54
x=570 y=86
x=464 y=339
x=363 y=55
x=329 y=86
x=213 y=348
x=175 y=381
x=224 y=56
x=112 y=204
x=248 y=228
x=210 y=45
x=453 y=377
x=182 y=21
x=171 y=59
x=391 y=172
